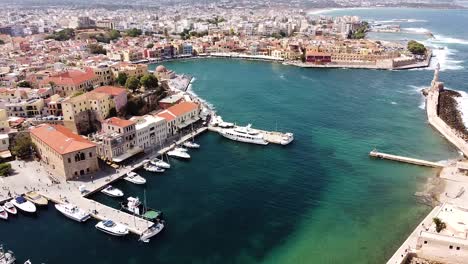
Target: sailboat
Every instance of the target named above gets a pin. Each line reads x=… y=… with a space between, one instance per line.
x=153 y=229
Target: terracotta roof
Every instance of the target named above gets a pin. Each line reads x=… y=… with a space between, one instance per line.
x=71 y=77
x=115 y=121
x=166 y=115
x=61 y=139
x=111 y=90
x=182 y=108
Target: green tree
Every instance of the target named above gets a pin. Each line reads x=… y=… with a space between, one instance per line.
x=24 y=84
x=134 y=32
x=77 y=94
x=150 y=46
x=416 y=47
x=62 y=35
x=149 y=81
x=5 y=169
x=2 y=42
x=114 y=34
x=132 y=84
x=96 y=49
x=121 y=78
x=439 y=224
x=22 y=146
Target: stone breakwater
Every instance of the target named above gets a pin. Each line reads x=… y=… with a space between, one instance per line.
x=449 y=112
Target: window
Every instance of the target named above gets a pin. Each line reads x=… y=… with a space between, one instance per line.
x=82 y=156
x=90 y=154
x=425 y=242
x=451 y=247
x=458 y=248
x=69 y=160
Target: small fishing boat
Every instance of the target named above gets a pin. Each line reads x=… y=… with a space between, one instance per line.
x=160 y=163
x=10 y=208
x=36 y=198
x=152 y=231
x=112 y=228
x=73 y=212
x=24 y=205
x=133 y=177
x=134 y=206
x=112 y=192
x=152 y=168
x=189 y=144
x=179 y=153
x=3 y=213
x=6 y=257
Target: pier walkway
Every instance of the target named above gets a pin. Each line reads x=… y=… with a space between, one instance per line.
x=419 y=162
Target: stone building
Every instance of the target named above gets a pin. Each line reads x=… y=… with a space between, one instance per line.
x=64 y=153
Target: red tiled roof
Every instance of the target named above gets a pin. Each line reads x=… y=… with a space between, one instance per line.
x=115 y=121
x=166 y=115
x=71 y=77
x=182 y=108
x=61 y=139
x=111 y=90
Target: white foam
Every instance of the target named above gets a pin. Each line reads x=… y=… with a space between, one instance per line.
x=448 y=40
x=445 y=58
x=417 y=89
x=462 y=105
x=419 y=30
x=410 y=20
x=190 y=91
x=393 y=103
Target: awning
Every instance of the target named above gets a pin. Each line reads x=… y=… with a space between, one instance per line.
x=128 y=154
x=5 y=154
x=188 y=122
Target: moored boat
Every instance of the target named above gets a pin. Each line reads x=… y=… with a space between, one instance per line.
x=135 y=178
x=287 y=138
x=73 y=212
x=24 y=205
x=36 y=198
x=244 y=134
x=179 y=153
x=160 y=163
x=6 y=257
x=134 y=206
x=152 y=231
x=152 y=168
x=112 y=228
x=10 y=208
x=3 y=213
x=189 y=144
x=112 y=192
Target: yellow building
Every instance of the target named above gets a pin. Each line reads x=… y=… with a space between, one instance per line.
x=84 y=113
x=129 y=69
x=64 y=153
x=3 y=121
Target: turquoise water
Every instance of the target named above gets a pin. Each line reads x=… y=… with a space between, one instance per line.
x=319 y=200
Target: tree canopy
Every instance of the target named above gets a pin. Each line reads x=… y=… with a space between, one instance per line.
x=114 y=34
x=416 y=47
x=2 y=42
x=134 y=32
x=132 y=84
x=150 y=45
x=24 y=84
x=22 y=146
x=149 y=81
x=62 y=35
x=96 y=49
x=121 y=78
x=439 y=224
x=360 y=32
x=5 y=169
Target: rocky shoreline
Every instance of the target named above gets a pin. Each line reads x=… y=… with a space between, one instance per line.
x=449 y=112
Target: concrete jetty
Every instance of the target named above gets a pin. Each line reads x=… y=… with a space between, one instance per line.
x=419 y=162
x=432 y=102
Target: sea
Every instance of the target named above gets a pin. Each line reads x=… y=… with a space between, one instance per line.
x=320 y=199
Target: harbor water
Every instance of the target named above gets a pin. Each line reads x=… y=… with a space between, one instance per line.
x=320 y=199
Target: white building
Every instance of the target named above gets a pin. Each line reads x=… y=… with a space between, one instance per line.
x=151 y=131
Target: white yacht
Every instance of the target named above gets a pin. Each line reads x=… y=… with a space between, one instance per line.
x=112 y=228
x=10 y=208
x=6 y=256
x=189 y=144
x=179 y=153
x=73 y=212
x=244 y=134
x=134 y=206
x=112 y=192
x=3 y=213
x=160 y=163
x=152 y=231
x=24 y=205
x=152 y=168
x=287 y=138
x=135 y=178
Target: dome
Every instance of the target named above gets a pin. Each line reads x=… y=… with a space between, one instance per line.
x=161 y=68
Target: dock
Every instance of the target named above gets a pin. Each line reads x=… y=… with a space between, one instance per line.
x=419 y=162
